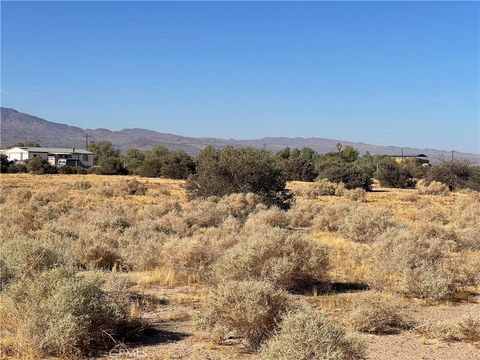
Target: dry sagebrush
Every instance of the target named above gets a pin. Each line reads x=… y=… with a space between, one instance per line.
x=466 y=328
x=250 y=309
x=60 y=313
x=406 y=263
x=432 y=188
x=362 y=224
x=21 y=258
x=306 y=335
x=375 y=313
x=285 y=258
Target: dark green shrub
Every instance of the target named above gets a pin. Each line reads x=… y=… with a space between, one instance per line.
x=350 y=174
x=39 y=166
x=17 y=168
x=456 y=174
x=247 y=170
x=133 y=160
x=80 y=170
x=299 y=165
x=474 y=180
x=178 y=165
x=66 y=170
x=390 y=174
x=160 y=162
x=4 y=163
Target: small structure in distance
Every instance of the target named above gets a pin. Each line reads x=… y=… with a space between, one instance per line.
x=55 y=156
x=419 y=159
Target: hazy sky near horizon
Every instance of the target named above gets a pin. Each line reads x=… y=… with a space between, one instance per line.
x=386 y=73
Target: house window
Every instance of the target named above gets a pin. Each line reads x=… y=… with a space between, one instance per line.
x=34 y=155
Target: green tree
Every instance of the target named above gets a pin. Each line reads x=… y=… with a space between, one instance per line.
x=178 y=165
x=28 y=143
x=133 y=160
x=106 y=157
x=351 y=174
x=160 y=162
x=349 y=154
x=299 y=165
x=154 y=161
x=247 y=170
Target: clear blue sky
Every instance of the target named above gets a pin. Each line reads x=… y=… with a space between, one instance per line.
x=404 y=73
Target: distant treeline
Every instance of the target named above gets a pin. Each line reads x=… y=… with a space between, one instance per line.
x=241 y=170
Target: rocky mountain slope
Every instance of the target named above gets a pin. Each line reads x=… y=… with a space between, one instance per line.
x=18 y=127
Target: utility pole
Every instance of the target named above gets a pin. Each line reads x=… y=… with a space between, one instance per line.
x=86 y=140
x=452 y=154
x=403 y=160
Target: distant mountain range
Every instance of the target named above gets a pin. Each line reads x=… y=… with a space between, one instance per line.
x=19 y=127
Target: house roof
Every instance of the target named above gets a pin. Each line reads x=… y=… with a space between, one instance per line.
x=419 y=155
x=57 y=150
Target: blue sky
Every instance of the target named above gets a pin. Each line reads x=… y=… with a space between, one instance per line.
x=404 y=73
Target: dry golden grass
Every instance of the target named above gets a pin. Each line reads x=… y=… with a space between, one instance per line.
x=167 y=245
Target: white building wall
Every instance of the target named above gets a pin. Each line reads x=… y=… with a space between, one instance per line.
x=16 y=154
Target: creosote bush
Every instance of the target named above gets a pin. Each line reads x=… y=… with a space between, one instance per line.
x=455 y=174
x=306 y=335
x=251 y=309
x=375 y=313
x=60 y=313
x=247 y=170
x=285 y=258
x=351 y=175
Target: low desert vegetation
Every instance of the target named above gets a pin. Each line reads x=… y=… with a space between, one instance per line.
x=61 y=313
x=287 y=259
x=432 y=188
x=362 y=224
x=412 y=265
x=378 y=313
x=304 y=335
x=465 y=328
x=251 y=309
x=235 y=262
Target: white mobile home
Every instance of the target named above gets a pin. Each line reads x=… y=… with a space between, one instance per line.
x=55 y=156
